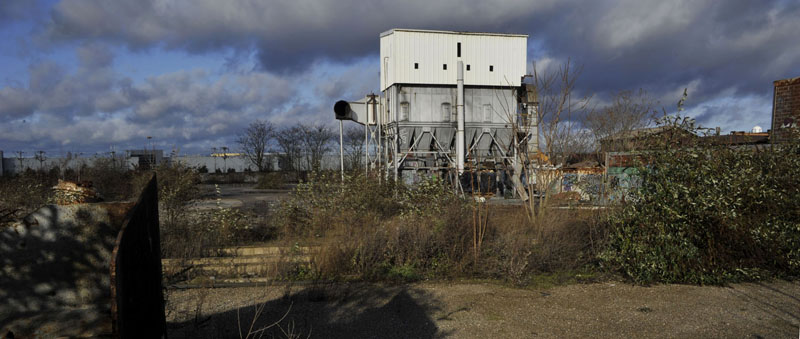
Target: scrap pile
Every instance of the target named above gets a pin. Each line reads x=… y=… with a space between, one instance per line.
x=68 y=193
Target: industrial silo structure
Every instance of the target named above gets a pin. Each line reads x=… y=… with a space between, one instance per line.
x=451 y=102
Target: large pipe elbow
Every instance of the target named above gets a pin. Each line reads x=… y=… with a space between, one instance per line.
x=341 y=109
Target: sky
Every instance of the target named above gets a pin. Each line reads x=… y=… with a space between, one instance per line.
x=89 y=76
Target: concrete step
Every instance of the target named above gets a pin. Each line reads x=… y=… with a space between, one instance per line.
x=240 y=262
x=240 y=251
x=246 y=260
x=227 y=270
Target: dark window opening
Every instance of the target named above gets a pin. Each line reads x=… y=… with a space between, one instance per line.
x=458 y=50
x=468 y=67
x=416 y=65
x=444 y=67
x=491 y=68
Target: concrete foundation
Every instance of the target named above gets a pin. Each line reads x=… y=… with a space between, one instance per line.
x=54 y=270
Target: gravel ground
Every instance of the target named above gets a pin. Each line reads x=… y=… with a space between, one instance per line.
x=474 y=310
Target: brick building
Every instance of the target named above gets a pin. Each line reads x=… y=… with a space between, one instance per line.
x=785 y=108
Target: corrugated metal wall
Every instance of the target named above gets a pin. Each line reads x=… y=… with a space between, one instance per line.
x=481 y=105
x=431 y=50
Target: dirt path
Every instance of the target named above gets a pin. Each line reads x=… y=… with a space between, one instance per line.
x=461 y=310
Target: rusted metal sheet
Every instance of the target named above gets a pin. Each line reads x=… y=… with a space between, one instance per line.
x=137 y=299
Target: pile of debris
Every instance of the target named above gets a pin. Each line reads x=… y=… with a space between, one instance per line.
x=69 y=193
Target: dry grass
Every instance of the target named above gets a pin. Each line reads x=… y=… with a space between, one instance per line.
x=404 y=233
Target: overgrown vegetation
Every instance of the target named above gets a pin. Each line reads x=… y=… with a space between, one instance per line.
x=20 y=195
x=25 y=192
x=187 y=232
x=702 y=213
x=710 y=214
x=378 y=230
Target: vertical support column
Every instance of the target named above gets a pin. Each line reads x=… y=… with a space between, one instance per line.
x=396 y=151
x=460 y=142
x=366 y=136
x=396 y=142
x=533 y=128
x=341 y=148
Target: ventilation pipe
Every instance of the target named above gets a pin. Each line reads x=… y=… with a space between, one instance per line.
x=460 y=142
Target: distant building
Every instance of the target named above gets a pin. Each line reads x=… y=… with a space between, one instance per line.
x=785 y=109
x=737 y=138
x=646 y=139
x=147 y=158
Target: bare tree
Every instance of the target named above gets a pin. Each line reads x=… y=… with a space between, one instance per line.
x=627 y=112
x=557 y=106
x=255 y=141
x=354 y=147
x=316 y=141
x=545 y=114
x=289 y=140
x=573 y=143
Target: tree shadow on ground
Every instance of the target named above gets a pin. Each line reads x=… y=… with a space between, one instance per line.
x=54 y=278
x=353 y=311
x=778 y=300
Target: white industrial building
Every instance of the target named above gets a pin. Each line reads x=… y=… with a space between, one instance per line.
x=450 y=102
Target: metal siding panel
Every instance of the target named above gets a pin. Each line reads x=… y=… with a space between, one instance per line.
x=394 y=57
x=399 y=58
x=382 y=55
x=430 y=50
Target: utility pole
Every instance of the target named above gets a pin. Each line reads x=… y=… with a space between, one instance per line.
x=40 y=156
x=214 y=155
x=225 y=157
x=341 y=149
x=19 y=158
x=150 y=157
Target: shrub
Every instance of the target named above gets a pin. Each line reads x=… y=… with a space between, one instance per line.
x=177 y=186
x=709 y=215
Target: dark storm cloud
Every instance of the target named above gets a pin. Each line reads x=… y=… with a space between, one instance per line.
x=311 y=53
x=662 y=45
x=739 y=44
x=288 y=35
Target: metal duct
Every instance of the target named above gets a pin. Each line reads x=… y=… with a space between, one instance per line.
x=353 y=110
x=460 y=142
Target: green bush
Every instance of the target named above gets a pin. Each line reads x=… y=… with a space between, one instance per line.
x=710 y=214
